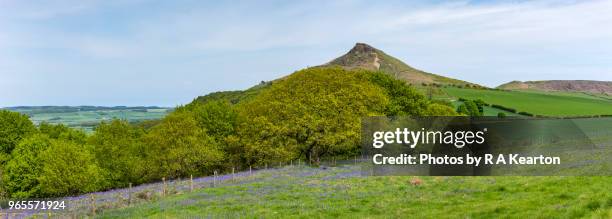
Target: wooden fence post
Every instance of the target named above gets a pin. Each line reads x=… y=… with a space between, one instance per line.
x=233 y=175
x=215 y=178
x=191 y=183
x=250 y=171
x=93 y=205
x=164 y=186
x=130 y=194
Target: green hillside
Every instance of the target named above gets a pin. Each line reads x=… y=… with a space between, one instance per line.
x=539 y=103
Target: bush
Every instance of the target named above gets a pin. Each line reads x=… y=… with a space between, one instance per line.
x=525 y=114
x=45 y=167
x=501 y=115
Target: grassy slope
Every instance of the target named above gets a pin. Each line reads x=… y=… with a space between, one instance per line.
x=551 y=104
x=303 y=192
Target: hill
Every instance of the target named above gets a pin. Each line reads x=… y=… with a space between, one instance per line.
x=367 y=57
x=361 y=56
x=592 y=87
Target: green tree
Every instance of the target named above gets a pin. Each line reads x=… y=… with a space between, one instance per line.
x=45 y=167
x=60 y=131
x=501 y=115
x=13 y=127
x=403 y=98
x=25 y=166
x=435 y=109
x=312 y=113
x=118 y=149
x=178 y=147
x=469 y=108
x=218 y=117
x=69 y=169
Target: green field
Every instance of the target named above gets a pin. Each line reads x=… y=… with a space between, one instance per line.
x=539 y=103
x=87 y=117
x=305 y=192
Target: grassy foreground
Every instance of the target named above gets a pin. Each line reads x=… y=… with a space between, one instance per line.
x=539 y=103
x=305 y=192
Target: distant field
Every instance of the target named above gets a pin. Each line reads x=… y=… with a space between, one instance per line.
x=86 y=117
x=540 y=103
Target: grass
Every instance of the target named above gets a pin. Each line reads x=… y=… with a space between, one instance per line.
x=304 y=192
x=553 y=104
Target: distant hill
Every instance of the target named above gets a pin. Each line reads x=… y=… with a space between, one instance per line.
x=367 y=57
x=593 y=87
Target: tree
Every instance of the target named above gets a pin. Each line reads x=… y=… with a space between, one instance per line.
x=60 y=131
x=480 y=104
x=178 y=147
x=69 y=169
x=469 y=108
x=217 y=117
x=312 y=113
x=501 y=115
x=435 y=109
x=13 y=127
x=403 y=98
x=25 y=166
x=117 y=148
x=45 y=167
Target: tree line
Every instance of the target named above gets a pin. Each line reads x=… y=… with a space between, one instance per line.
x=309 y=115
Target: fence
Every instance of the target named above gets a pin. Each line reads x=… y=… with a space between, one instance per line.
x=95 y=203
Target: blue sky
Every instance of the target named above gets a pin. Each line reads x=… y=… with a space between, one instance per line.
x=168 y=52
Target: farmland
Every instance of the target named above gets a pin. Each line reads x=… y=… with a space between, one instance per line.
x=87 y=117
x=539 y=103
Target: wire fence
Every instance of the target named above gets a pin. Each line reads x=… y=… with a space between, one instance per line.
x=93 y=204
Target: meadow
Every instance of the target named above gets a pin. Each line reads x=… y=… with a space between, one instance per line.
x=539 y=103
x=308 y=192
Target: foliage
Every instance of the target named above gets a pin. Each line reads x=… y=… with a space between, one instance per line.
x=45 y=167
x=311 y=113
x=403 y=98
x=470 y=108
x=25 y=166
x=117 y=147
x=435 y=109
x=179 y=147
x=13 y=127
x=501 y=115
x=61 y=131
x=68 y=169
x=218 y=118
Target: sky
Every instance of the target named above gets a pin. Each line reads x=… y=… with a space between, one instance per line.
x=166 y=53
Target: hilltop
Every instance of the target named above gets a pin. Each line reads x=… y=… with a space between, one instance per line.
x=364 y=56
x=361 y=56
x=593 y=87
